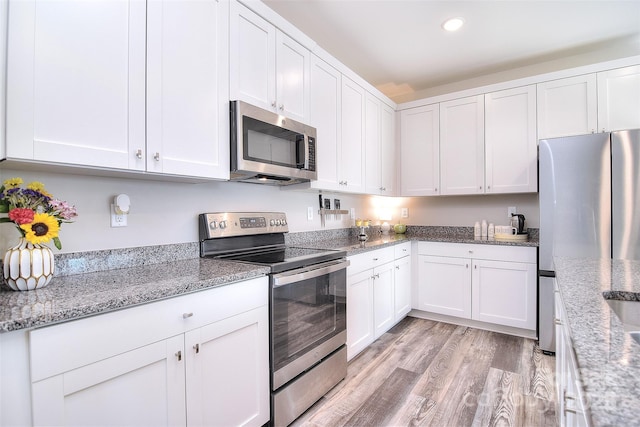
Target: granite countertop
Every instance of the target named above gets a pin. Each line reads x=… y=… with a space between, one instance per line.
x=378 y=240
x=608 y=358
x=80 y=295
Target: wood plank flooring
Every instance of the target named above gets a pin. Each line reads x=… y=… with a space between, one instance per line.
x=426 y=373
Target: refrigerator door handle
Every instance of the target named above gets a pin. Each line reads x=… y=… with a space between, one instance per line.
x=546 y=273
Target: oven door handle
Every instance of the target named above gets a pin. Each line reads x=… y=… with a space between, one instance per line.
x=298 y=275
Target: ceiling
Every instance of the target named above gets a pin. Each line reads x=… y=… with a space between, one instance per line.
x=400 y=47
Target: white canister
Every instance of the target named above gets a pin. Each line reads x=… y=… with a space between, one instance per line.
x=476 y=230
x=484 y=228
x=491 y=231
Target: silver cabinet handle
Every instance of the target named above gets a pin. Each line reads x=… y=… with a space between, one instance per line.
x=139 y=154
x=375 y=259
x=187 y=315
x=273 y=104
x=557 y=321
x=156 y=157
x=179 y=355
x=466 y=266
x=281 y=107
x=197 y=348
x=397 y=267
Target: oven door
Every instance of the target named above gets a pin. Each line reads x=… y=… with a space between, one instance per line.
x=308 y=317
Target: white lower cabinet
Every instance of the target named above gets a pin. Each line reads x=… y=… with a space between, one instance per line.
x=209 y=367
x=372 y=293
x=485 y=283
x=571 y=405
x=402 y=281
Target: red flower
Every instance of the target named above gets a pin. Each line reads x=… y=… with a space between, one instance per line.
x=21 y=215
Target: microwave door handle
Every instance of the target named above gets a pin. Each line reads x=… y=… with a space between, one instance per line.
x=301 y=151
x=308 y=273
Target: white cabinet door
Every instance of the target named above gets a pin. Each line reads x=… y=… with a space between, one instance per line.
x=352 y=125
x=144 y=386
x=511 y=146
x=567 y=107
x=402 y=288
x=462 y=146
x=325 y=111
x=444 y=285
x=252 y=61
x=187 y=105
x=388 y=149
x=360 y=332
x=228 y=371
x=373 y=139
x=420 y=151
x=504 y=293
x=383 y=304
x=292 y=78
x=619 y=99
x=76 y=82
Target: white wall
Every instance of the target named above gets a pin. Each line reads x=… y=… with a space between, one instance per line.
x=459 y=210
x=164 y=212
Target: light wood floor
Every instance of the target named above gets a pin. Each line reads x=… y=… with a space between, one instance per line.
x=426 y=373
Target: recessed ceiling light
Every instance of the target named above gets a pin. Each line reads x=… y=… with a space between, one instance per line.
x=453 y=24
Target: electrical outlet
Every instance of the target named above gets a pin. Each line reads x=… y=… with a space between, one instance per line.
x=511 y=210
x=118 y=220
x=404 y=212
x=309 y=213
x=352 y=213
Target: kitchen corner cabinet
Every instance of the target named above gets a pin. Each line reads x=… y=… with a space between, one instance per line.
x=420 y=151
x=569 y=394
x=487 y=283
x=511 y=145
x=567 y=107
x=379 y=147
x=119 y=99
x=372 y=292
x=200 y=361
x=619 y=99
x=267 y=68
x=462 y=146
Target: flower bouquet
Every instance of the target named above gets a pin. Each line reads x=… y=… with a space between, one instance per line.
x=38 y=217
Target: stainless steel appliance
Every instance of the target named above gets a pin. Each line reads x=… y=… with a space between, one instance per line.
x=267 y=148
x=589 y=192
x=307 y=307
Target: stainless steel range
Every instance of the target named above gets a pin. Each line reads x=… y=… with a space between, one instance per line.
x=307 y=307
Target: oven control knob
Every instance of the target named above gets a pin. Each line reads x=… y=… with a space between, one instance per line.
x=213 y=225
x=284 y=222
x=272 y=222
x=277 y=222
x=223 y=224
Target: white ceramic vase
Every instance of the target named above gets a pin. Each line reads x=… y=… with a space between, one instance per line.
x=28 y=266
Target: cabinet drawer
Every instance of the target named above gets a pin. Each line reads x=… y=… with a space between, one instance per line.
x=59 y=348
x=526 y=254
x=370 y=260
x=402 y=250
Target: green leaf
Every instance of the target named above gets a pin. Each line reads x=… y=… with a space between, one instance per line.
x=56 y=241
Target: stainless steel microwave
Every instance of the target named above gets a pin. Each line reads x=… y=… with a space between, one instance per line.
x=267 y=148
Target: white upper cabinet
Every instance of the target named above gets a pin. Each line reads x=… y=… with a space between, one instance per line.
x=388 y=148
x=379 y=147
x=567 y=107
x=324 y=115
x=420 y=151
x=511 y=155
x=76 y=82
x=462 y=146
x=351 y=171
x=187 y=119
x=619 y=99
x=268 y=68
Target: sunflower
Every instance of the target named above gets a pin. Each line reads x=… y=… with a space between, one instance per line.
x=43 y=228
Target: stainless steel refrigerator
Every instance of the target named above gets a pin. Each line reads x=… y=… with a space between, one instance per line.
x=589 y=194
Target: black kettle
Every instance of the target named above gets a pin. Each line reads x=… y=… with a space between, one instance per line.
x=517 y=221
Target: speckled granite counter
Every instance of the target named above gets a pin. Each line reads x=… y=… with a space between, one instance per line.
x=608 y=358
x=378 y=240
x=75 y=296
